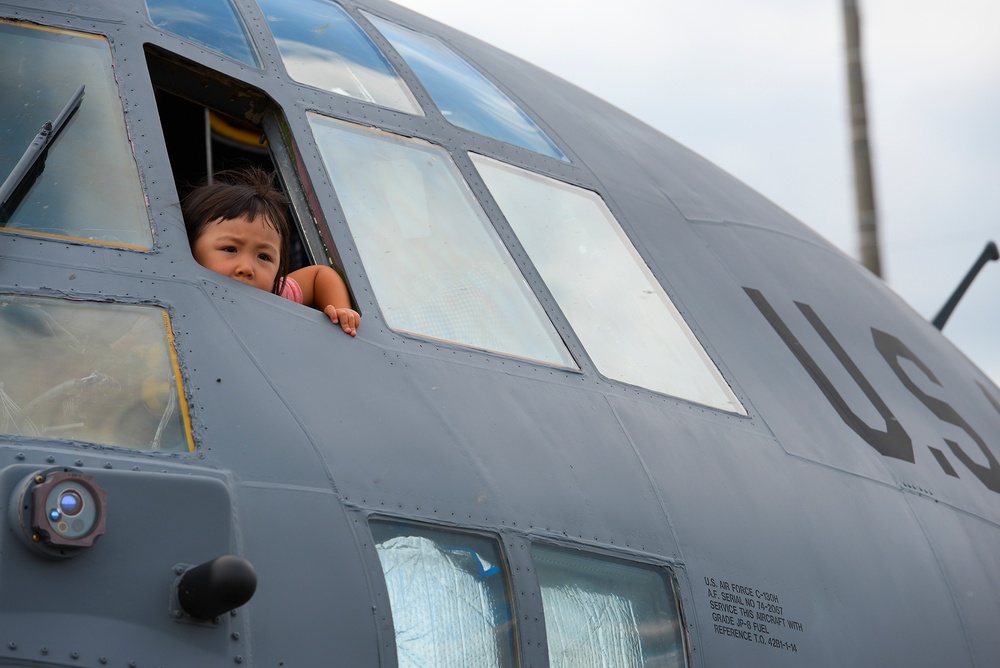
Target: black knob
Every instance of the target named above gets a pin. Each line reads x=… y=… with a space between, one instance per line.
x=216 y=587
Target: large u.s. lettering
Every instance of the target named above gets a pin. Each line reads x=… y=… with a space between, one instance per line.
x=893 y=441
x=892 y=350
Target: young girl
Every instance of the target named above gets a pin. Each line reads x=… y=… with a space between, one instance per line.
x=238 y=226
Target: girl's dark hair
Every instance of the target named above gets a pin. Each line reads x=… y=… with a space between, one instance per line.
x=250 y=192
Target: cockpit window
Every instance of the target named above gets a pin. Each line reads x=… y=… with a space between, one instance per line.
x=323 y=47
x=81 y=371
x=605 y=612
x=214 y=24
x=434 y=260
x=465 y=97
x=88 y=185
x=448 y=595
x=589 y=264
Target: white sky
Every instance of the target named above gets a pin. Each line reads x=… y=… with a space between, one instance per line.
x=759 y=87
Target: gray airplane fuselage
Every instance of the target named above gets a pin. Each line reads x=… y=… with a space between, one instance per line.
x=808 y=472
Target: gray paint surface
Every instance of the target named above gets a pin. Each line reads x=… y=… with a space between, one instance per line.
x=303 y=433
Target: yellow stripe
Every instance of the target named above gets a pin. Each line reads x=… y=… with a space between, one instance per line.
x=49 y=29
x=63 y=236
x=177 y=374
x=237 y=134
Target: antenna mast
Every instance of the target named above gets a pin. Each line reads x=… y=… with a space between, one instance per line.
x=864 y=190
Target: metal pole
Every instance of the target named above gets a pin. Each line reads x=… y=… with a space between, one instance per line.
x=989 y=254
x=209 y=161
x=864 y=190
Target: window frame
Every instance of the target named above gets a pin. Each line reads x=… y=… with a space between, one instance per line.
x=416 y=108
x=143 y=309
x=667 y=570
x=692 y=342
x=120 y=106
x=466 y=188
x=240 y=18
x=507 y=568
x=557 y=154
x=515 y=549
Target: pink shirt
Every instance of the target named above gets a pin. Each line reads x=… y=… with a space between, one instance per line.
x=290 y=289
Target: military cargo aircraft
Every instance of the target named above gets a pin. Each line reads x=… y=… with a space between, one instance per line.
x=607 y=406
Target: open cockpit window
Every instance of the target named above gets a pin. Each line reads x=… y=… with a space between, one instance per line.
x=435 y=262
x=214 y=24
x=202 y=140
x=448 y=592
x=94 y=372
x=607 y=612
x=85 y=184
x=465 y=97
x=323 y=47
x=591 y=266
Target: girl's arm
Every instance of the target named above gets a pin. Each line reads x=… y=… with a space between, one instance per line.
x=324 y=289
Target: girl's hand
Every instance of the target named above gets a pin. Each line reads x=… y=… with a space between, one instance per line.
x=348 y=319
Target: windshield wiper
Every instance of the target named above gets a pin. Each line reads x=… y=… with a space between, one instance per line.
x=32 y=162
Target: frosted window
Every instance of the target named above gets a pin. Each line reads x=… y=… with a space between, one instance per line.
x=102 y=373
x=323 y=47
x=465 y=97
x=448 y=595
x=435 y=262
x=623 y=317
x=212 y=23
x=603 y=613
x=89 y=187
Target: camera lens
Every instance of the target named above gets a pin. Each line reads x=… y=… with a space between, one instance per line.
x=70 y=502
x=57 y=512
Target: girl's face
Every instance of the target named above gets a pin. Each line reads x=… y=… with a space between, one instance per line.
x=240 y=248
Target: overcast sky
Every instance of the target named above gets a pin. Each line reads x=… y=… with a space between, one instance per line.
x=759 y=88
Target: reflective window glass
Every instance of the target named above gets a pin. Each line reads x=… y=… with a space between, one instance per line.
x=465 y=97
x=323 y=47
x=102 y=373
x=437 y=266
x=607 y=613
x=448 y=595
x=88 y=187
x=214 y=24
x=592 y=268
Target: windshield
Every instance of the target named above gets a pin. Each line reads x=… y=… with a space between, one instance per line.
x=465 y=97
x=89 y=187
x=435 y=261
